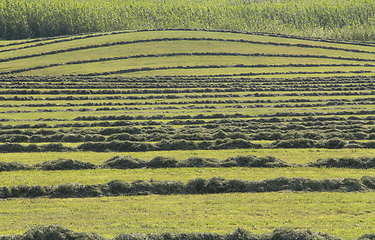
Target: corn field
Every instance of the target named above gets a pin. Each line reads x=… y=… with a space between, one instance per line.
x=338 y=19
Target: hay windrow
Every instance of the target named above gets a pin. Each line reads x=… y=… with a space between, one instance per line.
x=129 y=162
x=61 y=233
x=195 y=186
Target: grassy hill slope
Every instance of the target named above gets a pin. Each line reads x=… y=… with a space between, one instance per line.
x=199 y=53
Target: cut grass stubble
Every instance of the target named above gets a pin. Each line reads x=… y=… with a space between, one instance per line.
x=348 y=215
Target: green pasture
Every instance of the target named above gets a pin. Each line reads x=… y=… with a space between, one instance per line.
x=347 y=215
x=102 y=176
x=289 y=155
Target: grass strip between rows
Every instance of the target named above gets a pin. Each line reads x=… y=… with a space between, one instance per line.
x=199 y=66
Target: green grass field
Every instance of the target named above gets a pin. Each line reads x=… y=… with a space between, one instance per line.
x=348 y=215
x=185 y=92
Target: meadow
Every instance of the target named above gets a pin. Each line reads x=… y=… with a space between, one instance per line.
x=185 y=131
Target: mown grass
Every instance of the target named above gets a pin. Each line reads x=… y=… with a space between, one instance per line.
x=115 y=65
x=162 y=47
x=102 y=176
x=110 y=37
x=347 y=215
x=66 y=115
x=289 y=155
x=140 y=103
x=289 y=72
x=175 y=46
x=183 y=94
x=174 y=62
x=163 y=107
x=182 y=97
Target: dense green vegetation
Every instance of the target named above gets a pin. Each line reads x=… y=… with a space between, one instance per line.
x=341 y=19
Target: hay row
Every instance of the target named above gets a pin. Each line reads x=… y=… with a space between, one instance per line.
x=182 y=144
x=300 y=122
x=159 y=81
x=128 y=162
x=219 y=87
x=285 y=102
x=204 y=93
x=147 y=131
x=132 y=70
x=60 y=233
x=209 y=104
x=275 y=117
x=213 y=185
x=193 y=86
x=171 y=105
x=267 y=97
x=277 y=73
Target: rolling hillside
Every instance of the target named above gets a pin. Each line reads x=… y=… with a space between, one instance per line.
x=198 y=53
